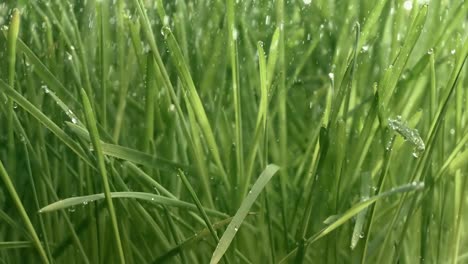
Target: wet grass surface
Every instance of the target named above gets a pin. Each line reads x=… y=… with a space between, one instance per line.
x=233 y=131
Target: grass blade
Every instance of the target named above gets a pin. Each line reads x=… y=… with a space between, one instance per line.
x=91 y=121
x=356 y=209
x=42 y=118
x=24 y=215
x=242 y=212
x=150 y=197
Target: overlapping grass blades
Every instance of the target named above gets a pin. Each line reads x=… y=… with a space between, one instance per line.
x=187 y=102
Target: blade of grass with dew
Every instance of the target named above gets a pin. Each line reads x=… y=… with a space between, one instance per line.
x=433 y=132
x=338 y=221
x=149 y=104
x=160 y=69
x=150 y=197
x=24 y=215
x=198 y=152
x=43 y=119
x=282 y=115
x=198 y=204
x=242 y=212
x=236 y=93
x=191 y=95
x=370 y=24
x=361 y=216
x=392 y=74
x=130 y=154
x=45 y=74
x=103 y=14
x=34 y=190
x=91 y=122
x=260 y=126
x=13 y=31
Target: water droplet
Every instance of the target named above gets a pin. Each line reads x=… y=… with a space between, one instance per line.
x=430 y=51
x=408 y=5
x=235 y=34
x=365 y=48
x=45 y=88
x=166 y=20
x=307 y=2
x=267 y=20
x=331 y=75
x=453 y=51
x=172 y=108
x=71 y=209
x=69 y=56
x=361 y=235
x=236 y=228
x=165 y=31
x=452 y=131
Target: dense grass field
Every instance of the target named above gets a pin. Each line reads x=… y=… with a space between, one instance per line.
x=251 y=131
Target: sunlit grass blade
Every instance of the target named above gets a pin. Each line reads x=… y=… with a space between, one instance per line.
x=242 y=212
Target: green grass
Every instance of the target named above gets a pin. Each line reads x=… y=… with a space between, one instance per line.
x=233 y=131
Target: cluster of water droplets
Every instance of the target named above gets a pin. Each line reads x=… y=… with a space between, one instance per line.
x=408 y=134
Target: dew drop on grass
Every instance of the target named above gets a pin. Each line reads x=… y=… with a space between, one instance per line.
x=172 y=108
x=408 y=5
x=45 y=88
x=166 y=20
x=165 y=31
x=365 y=48
x=235 y=34
x=267 y=20
x=408 y=134
x=307 y=2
